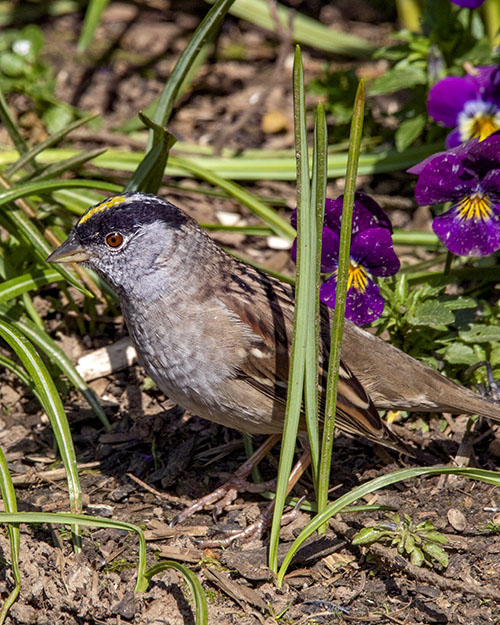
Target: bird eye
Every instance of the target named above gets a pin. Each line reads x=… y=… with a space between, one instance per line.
x=114 y=239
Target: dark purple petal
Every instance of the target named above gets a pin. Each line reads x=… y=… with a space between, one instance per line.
x=366 y=214
x=453 y=139
x=468 y=4
x=293 y=250
x=373 y=249
x=448 y=97
x=361 y=307
x=444 y=178
x=468 y=237
x=293 y=218
x=329 y=251
x=490 y=185
x=333 y=213
x=488 y=80
x=484 y=155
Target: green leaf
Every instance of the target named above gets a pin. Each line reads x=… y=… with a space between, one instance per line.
x=431 y=313
x=58 y=117
x=435 y=536
x=409 y=130
x=459 y=303
x=436 y=552
x=417 y=557
x=409 y=544
x=459 y=354
x=369 y=535
x=399 y=77
x=12 y=64
x=478 y=333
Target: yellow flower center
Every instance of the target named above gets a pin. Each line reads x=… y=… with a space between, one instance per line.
x=475 y=206
x=480 y=125
x=357 y=277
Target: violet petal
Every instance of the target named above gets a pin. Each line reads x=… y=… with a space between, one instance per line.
x=361 y=307
x=468 y=237
x=373 y=249
x=448 y=97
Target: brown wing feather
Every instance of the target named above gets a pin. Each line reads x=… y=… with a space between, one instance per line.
x=268 y=311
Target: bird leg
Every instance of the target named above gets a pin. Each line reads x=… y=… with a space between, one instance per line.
x=264 y=521
x=228 y=492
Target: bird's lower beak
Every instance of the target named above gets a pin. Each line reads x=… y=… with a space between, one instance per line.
x=69 y=252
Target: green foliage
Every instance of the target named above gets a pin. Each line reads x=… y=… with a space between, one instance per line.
x=421 y=543
x=23 y=70
x=416 y=61
x=449 y=333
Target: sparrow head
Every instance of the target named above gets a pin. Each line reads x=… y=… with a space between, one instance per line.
x=127 y=238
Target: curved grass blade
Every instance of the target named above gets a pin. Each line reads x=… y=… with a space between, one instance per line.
x=18 y=371
x=306 y=30
x=27 y=159
x=75 y=162
x=10 y=125
x=490 y=477
x=10 y=503
x=67 y=518
x=46 y=186
x=279 y=225
x=11 y=289
x=201 y=613
x=206 y=29
x=51 y=403
x=58 y=357
x=21 y=226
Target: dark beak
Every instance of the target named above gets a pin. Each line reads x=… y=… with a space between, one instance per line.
x=69 y=252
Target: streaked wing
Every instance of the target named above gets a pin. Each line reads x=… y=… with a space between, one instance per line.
x=267 y=308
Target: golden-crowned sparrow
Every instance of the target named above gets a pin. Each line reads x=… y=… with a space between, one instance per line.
x=214 y=333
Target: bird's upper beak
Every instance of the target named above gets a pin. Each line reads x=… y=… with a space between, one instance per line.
x=69 y=252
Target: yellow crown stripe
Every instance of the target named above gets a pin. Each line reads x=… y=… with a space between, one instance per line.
x=114 y=201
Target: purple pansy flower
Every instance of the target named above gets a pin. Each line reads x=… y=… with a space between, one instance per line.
x=468 y=176
x=468 y=4
x=371 y=254
x=471 y=104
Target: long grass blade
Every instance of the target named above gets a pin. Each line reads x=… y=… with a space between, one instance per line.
x=27 y=159
x=303 y=311
x=10 y=125
x=57 y=356
x=10 y=503
x=340 y=298
x=490 y=477
x=93 y=14
x=11 y=289
x=67 y=518
x=306 y=30
x=51 y=403
x=315 y=217
x=255 y=166
x=201 y=612
x=279 y=225
x=206 y=29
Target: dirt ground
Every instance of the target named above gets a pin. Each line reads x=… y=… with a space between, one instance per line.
x=157 y=459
